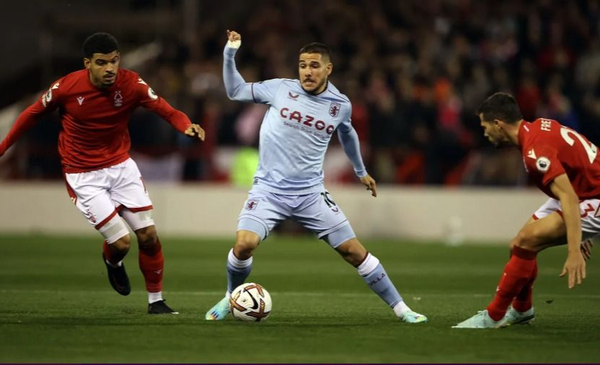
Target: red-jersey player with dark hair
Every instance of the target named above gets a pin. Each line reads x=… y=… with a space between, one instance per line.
x=565 y=166
x=95 y=105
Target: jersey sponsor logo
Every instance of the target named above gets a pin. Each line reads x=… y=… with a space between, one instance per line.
x=292 y=96
x=118 y=98
x=80 y=100
x=334 y=109
x=531 y=154
x=307 y=120
x=542 y=164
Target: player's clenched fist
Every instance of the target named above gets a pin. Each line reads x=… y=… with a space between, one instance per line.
x=234 y=39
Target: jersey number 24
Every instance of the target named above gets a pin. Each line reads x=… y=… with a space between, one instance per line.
x=589 y=147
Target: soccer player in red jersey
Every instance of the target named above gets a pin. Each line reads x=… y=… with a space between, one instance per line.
x=564 y=165
x=95 y=105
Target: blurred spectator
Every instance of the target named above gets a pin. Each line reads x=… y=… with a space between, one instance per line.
x=415 y=71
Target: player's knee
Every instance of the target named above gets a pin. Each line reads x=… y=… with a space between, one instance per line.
x=245 y=244
x=146 y=236
x=122 y=245
x=525 y=239
x=352 y=251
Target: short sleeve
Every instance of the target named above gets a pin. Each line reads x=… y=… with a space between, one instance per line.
x=145 y=92
x=544 y=164
x=50 y=98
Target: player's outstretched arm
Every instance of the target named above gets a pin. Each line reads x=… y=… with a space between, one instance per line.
x=235 y=86
x=351 y=145
x=24 y=122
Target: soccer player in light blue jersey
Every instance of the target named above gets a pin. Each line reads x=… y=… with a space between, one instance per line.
x=303 y=114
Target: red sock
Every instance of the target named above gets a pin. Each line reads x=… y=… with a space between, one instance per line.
x=111 y=255
x=523 y=302
x=151 y=265
x=517 y=273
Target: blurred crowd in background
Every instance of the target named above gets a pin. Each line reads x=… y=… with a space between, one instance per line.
x=415 y=71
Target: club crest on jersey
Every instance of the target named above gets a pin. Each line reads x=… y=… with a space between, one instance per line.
x=118 y=99
x=542 y=164
x=251 y=204
x=334 y=109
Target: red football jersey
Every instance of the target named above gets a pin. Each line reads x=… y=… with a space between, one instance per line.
x=94 y=132
x=550 y=149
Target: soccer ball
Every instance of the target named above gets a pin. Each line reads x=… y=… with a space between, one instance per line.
x=250 y=302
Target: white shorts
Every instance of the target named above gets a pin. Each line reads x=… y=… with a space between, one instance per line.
x=590 y=215
x=100 y=194
x=317 y=212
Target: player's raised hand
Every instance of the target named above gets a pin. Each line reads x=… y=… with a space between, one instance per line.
x=370 y=183
x=575 y=269
x=234 y=39
x=195 y=130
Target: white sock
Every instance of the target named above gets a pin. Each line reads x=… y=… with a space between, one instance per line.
x=401 y=308
x=237 y=263
x=154 y=297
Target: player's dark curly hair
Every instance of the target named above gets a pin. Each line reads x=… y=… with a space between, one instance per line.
x=317 y=47
x=501 y=106
x=99 y=43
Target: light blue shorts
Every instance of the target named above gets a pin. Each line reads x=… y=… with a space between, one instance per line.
x=317 y=212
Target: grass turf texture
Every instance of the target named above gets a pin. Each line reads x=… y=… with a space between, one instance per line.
x=57 y=306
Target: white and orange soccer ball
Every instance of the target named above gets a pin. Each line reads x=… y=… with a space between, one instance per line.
x=250 y=302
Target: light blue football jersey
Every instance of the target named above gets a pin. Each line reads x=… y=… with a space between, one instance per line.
x=295 y=130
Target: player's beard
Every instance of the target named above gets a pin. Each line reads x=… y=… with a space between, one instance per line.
x=108 y=82
x=317 y=87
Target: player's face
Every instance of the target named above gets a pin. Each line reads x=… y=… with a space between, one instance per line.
x=103 y=68
x=493 y=132
x=313 y=72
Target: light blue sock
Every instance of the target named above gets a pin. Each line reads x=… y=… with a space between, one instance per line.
x=237 y=271
x=378 y=280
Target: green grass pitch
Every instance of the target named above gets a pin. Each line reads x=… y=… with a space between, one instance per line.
x=57 y=306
